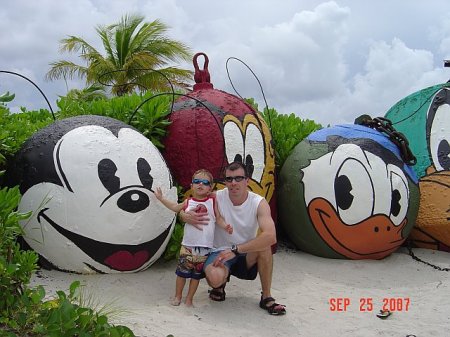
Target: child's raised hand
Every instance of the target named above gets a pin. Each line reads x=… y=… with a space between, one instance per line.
x=158 y=193
x=229 y=229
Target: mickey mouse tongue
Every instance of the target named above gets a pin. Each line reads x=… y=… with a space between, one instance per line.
x=126 y=261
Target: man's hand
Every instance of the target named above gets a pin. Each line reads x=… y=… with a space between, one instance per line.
x=229 y=229
x=193 y=218
x=223 y=256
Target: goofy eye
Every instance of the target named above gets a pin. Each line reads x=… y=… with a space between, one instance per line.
x=143 y=169
x=399 y=195
x=254 y=152
x=353 y=192
x=234 y=144
x=439 y=146
x=107 y=174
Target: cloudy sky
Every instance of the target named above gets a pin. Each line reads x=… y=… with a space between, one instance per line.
x=329 y=61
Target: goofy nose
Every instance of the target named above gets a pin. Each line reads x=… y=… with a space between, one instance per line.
x=133 y=201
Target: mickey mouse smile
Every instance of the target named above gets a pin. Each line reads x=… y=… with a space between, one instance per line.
x=118 y=257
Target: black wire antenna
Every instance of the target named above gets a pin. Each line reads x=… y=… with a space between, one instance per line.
x=257 y=79
x=26 y=78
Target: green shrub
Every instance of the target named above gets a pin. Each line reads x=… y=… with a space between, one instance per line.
x=287 y=131
x=23 y=311
x=17 y=128
x=151 y=119
x=174 y=245
x=65 y=316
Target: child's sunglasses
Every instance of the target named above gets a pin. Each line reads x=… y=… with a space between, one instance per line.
x=237 y=178
x=205 y=182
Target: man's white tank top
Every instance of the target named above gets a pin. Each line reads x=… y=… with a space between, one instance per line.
x=243 y=218
x=194 y=237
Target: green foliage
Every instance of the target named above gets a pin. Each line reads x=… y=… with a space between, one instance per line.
x=287 y=131
x=17 y=128
x=174 y=244
x=6 y=97
x=63 y=316
x=16 y=266
x=173 y=247
x=23 y=311
x=88 y=94
x=151 y=119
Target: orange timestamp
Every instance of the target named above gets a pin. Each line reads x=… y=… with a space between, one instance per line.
x=367 y=304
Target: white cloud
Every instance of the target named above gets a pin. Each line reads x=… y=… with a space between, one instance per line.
x=327 y=61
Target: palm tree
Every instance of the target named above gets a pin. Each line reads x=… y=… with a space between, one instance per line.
x=132 y=49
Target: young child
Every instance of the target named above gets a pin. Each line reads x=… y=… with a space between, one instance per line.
x=197 y=239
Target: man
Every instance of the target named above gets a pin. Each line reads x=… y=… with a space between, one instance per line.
x=247 y=252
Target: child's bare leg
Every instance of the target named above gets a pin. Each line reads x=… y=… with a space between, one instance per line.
x=179 y=285
x=193 y=285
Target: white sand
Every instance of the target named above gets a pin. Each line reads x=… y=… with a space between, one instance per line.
x=303 y=282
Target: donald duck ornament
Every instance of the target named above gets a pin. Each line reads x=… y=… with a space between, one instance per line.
x=345 y=192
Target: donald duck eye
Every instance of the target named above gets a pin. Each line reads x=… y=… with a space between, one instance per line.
x=444 y=154
x=395 y=202
x=343 y=192
x=107 y=174
x=399 y=195
x=438 y=138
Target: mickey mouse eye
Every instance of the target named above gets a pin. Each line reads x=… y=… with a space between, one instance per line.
x=107 y=174
x=143 y=169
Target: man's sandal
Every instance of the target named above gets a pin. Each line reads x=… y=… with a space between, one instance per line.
x=218 y=294
x=274 y=308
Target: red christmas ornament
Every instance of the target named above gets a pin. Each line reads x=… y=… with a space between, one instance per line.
x=211 y=128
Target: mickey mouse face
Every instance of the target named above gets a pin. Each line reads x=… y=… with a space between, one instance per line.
x=94 y=208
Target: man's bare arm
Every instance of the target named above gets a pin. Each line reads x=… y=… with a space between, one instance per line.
x=267 y=236
x=264 y=240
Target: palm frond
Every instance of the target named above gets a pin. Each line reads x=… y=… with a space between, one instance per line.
x=65 y=69
x=75 y=44
x=133 y=49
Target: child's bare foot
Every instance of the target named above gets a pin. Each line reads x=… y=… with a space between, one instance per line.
x=176 y=301
x=189 y=303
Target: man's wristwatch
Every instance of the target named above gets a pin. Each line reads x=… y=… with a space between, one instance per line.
x=234 y=249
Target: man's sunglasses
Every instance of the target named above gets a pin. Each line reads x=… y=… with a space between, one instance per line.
x=237 y=178
x=205 y=182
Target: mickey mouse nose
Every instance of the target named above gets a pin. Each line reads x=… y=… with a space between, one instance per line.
x=133 y=201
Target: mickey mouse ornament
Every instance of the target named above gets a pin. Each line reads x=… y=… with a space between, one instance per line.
x=89 y=182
